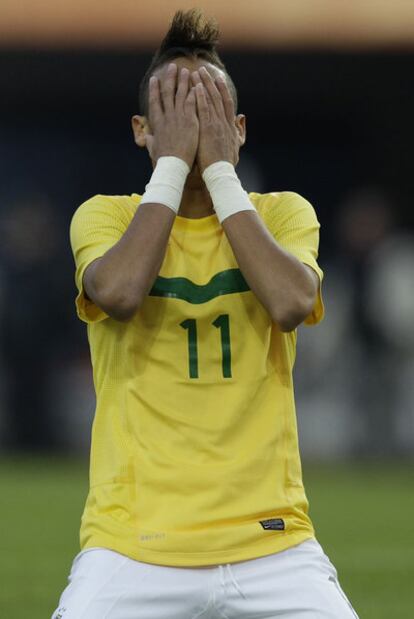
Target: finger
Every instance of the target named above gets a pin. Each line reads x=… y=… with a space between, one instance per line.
x=212 y=90
x=168 y=87
x=149 y=141
x=182 y=89
x=226 y=98
x=190 y=102
x=196 y=79
x=202 y=103
x=154 y=98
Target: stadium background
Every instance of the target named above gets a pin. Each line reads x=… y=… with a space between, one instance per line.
x=328 y=91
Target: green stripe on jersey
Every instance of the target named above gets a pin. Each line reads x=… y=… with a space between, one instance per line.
x=225 y=282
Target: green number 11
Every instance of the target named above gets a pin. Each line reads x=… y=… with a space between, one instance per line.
x=221 y=322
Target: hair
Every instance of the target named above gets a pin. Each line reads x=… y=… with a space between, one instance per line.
x=191 y=35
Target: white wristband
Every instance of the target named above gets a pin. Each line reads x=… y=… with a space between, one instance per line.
x=167 y=183
x=225 y=189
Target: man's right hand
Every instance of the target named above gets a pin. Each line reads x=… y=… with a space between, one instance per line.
x=172 y=117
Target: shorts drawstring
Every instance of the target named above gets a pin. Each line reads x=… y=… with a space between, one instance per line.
x=234 y=581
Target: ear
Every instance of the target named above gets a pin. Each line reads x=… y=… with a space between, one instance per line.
x=140 y=127
x=240 y=122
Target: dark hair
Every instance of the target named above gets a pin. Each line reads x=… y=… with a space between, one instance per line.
x=190 y=35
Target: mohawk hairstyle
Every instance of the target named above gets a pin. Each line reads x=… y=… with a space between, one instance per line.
x=191 y=35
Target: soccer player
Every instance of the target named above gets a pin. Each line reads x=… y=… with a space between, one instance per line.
x=192 y=294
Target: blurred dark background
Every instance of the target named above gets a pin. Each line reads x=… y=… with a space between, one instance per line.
x=334 y=125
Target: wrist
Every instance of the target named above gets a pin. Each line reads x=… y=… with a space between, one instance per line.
x=167 y=182
x=225 y=189
x=176 y=160
x=187 y=160
x=203 y=165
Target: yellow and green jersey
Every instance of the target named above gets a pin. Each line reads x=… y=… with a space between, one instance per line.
x=194 y=455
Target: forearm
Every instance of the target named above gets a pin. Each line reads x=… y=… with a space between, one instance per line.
x=284 y=286
x=280 y=281
x=120 y=280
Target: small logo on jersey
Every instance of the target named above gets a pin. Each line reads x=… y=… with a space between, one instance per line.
x=151 y=536
x=274 y=524
x=60 y=613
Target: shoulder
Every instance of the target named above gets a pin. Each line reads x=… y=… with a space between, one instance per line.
x=100 y=206
x=281 y=200
x=282 y=205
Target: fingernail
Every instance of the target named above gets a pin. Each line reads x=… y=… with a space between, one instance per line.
x=172 y=64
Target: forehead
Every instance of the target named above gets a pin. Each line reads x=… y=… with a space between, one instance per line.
x=192 y=64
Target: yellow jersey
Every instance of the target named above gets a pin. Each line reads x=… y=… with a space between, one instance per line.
x=194 y=451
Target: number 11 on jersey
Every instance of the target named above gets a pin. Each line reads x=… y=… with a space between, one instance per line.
x=222 y=322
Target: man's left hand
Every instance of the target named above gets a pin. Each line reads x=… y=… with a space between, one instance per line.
x=219 y=139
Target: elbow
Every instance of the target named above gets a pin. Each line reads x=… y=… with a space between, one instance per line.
x=288 y=321
x=118 y=299
x=120 y=307
x=122 y=310
x=289 y=317
x=122 y=313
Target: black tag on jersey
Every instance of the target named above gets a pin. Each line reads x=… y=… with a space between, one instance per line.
x=275 y=524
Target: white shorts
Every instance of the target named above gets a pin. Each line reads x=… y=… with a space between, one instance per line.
x=296 y=583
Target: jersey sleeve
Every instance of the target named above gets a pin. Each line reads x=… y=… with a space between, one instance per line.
x=294 y=225
x=96 y=226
